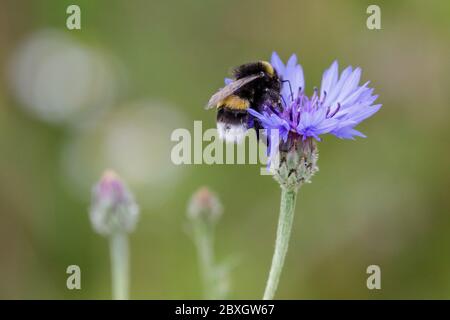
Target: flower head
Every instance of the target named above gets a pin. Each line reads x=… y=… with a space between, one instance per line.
x=113 y=208
x=294 y=126
x=337 y=108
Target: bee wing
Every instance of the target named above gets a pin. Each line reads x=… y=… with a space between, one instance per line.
x=229 y=89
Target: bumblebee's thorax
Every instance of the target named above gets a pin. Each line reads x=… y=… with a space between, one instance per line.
x=268 y=85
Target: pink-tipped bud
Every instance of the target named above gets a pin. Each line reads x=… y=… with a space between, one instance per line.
x=113 y=207
x=205 y=204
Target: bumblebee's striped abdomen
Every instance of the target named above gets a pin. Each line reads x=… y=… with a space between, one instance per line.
x=234 y=102
x=232 y=124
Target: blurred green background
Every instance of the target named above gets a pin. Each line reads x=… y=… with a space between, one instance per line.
x=73 y=103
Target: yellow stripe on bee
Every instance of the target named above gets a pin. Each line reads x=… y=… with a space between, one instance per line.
x=234 y=102
x=268 y=67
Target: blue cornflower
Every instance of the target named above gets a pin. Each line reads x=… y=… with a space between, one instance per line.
x=337 y=108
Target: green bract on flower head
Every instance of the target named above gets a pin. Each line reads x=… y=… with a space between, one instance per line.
x=297 y=163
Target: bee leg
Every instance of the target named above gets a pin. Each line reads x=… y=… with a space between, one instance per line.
x=290 y=88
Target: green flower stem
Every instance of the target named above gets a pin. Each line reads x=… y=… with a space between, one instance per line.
x=119 y=265
x=287 y=209
x=203 y=235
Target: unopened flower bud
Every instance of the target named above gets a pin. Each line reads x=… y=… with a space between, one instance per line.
x=298 y=163
x=205 y=204
x=113 y=207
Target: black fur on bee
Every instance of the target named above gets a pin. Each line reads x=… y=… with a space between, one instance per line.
x=254 y=84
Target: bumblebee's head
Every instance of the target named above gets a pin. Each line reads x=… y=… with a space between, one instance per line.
x=270 y=77
x=268 y=69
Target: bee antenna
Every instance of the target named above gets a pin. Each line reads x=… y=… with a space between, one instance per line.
x=285 y=104
x=290 y=88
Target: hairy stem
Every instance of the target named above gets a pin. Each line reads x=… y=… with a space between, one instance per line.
x=204 y=242
x=119 y=265
x=287 y=209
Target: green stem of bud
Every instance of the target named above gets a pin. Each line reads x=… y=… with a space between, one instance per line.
x=204 y=234
x=287 y=209
x=119 y=265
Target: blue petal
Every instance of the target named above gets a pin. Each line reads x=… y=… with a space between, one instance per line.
x=329 y=79
x=366 y=113
x=292 y=62
x=277 y=63
x=350 y=85
x=336 y=86
x=348 y=133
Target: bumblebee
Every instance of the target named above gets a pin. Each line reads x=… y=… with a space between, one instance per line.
x=253 y=85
